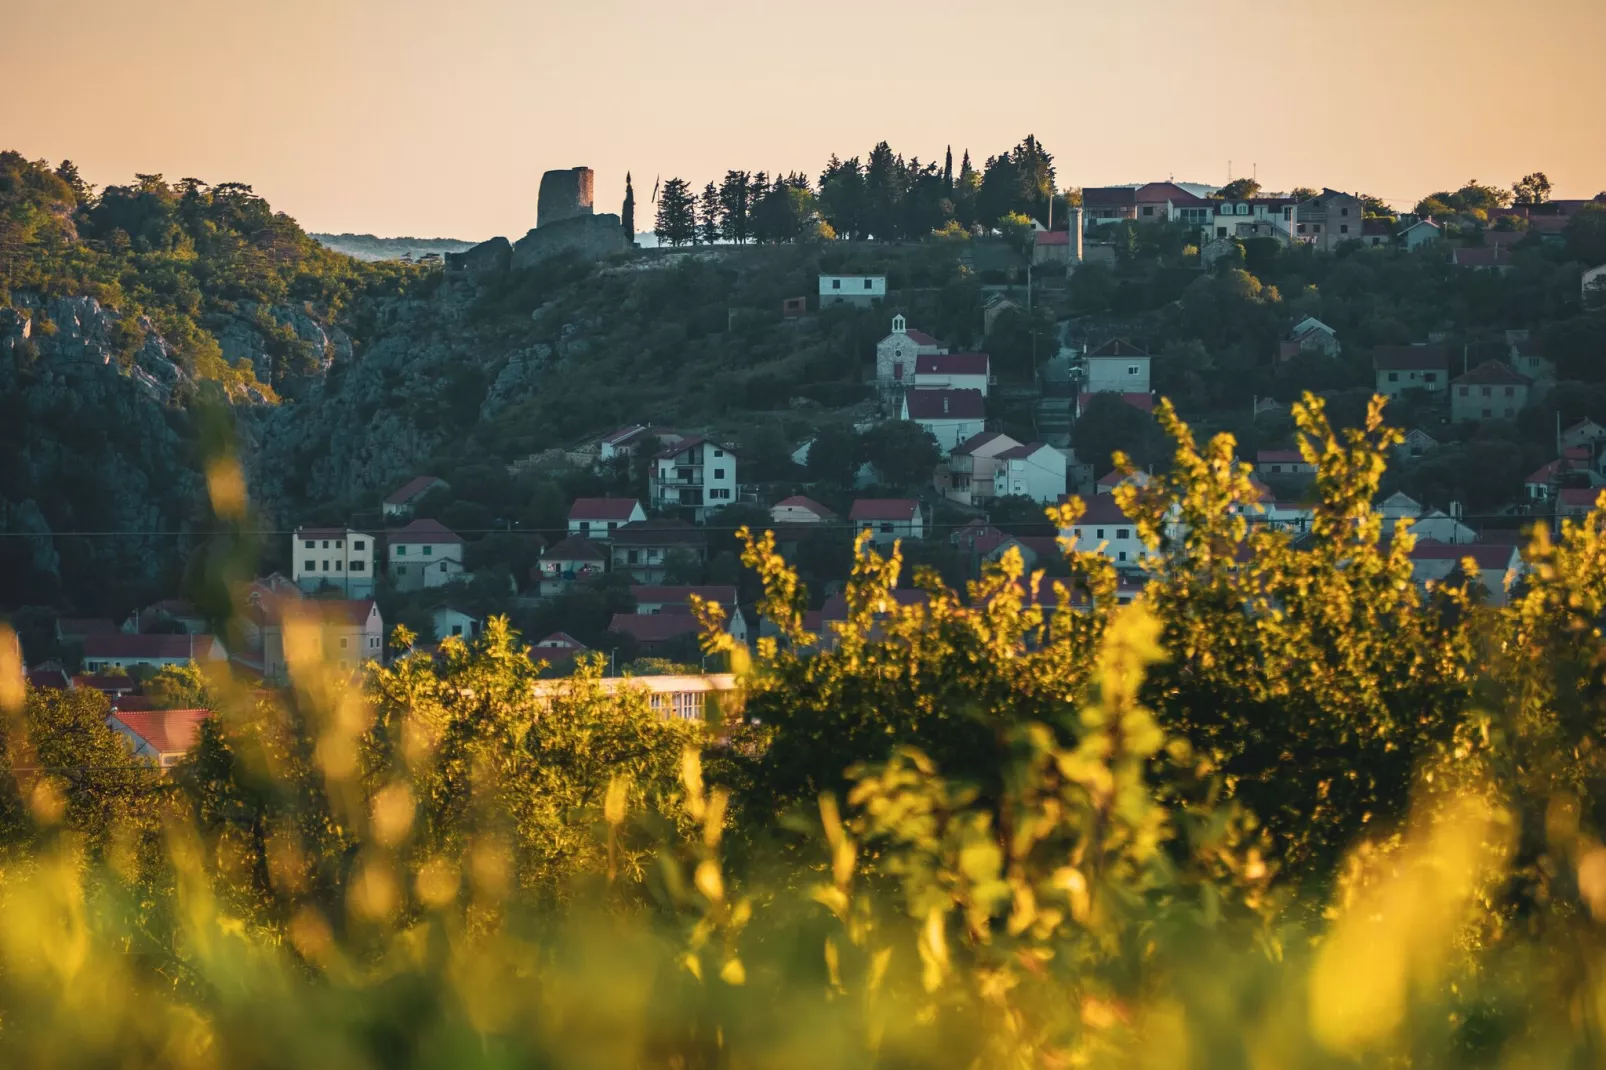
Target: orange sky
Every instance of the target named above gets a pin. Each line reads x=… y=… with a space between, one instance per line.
x=437 y=117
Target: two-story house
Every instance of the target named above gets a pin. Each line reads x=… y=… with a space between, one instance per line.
x=1253 y=217
x=649 y=550
x=334 y=557
x=1491 y=391
x=349 y=633
x=1034 y=470
x=1413 y=367
x=1328 y=220
x=953 y=371
x=655 y=599
x=1167 y=202
x=952 y=416
x=425 y=553
x=860 y=290
x=1116 y=367
x=149 y=651
x=596 y=518
x=887 y=519
x=896 y=354
x=1104 y=205
x=967 y=477
x=1103 y=528
x=694 y=474
x=570 y=561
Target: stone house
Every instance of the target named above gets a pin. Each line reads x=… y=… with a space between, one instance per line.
x=350 y=632
x=895 y=355
x=1328 y=220
x=1310 y=335
x=1057 y=246
x=995 y=306
x=424 y=554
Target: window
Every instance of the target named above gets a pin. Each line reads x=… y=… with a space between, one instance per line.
x=719 y=473
x=719 y=453
x=429 y=551
x=1394 y=377
x=1243 y=209
x=373 y=643
x=1121 y=533
x=836 y=284
x=312 y=544
x=340 y=544
x=1511 y=391
x=897 y=371
x=326 y=544
x=457 y=629
x=444 y=564
x=342 y=642
x=1099 y=534
x=311 y=566
x=1316 y=228
x=1122 y=555
x=401 y=551
x=358 y=544
x=1343 y=228
x=886 y=529
x=1148 y=209
x=1134 y=369
x=1301 y=228
x=1485 y=391
x=867 y=284
x=359 y=566
x=1487 y=413
x=326 y=565
x=1430 y=377
x=1276 y=468
x=1343 y=211
x=401 y=570
x=340 y=566
x=1463 y=391
x=634 y=557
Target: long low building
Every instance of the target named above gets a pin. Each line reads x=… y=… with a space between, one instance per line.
x=677 y=697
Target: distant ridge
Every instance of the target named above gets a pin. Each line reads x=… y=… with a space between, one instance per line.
x=369 y=247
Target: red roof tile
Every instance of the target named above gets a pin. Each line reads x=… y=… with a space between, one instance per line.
x=169 y=647
x=977 y=441
x=725 y=595
x=945 y=405
x=413 y=488
x=560 y=641
x=655 y=533
x=425 y=531
x=800 y=501
x=1109 y=197
x=1487 y=556
x=1052 y=237
x=1579 y=497
x=1491 y=373
x=1410 y=358
x=1118 y=347
x=603 y=508
x=655 y=627
x=106 y=683
x=883 y=509
x=1481 y=256
x=166 y=731
x=1279 y=457
x=54 y=679
x=575 y=548
x=921 y=338
x=952 y=364
x=1101 y=509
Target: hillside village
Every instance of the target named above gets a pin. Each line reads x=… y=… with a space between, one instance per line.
x=957 y=440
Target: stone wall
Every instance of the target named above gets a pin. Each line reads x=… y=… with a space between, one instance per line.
x=564 y=195
x=592 y=236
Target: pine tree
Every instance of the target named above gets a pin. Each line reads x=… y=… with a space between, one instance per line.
x=627 y=214
x=677 y=214
x=708 y=216
x=948 y=170
x=733 y=202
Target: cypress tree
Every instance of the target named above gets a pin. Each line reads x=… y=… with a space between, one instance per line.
x=948 y=171
x=627 y=214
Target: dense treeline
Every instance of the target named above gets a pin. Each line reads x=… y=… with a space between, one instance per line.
x=1287 y=809
x=177 y=256
x=883 y=197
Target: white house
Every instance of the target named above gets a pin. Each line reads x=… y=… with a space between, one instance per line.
x=162 y=736
x=1497 y=564
x=956 y=371
x=407 y=496
x=1422 y=232
x=1035 y=471
x=896 y=354
x=800 y=509
x=338 y=557
x=425 y=554
x=1585 y=432
x=1104 y=529
x=860 y=290
x=596 y=518
x=967 y=478
x=889 y=519
x=1592 y=286
x=1413 y=367
x=952 y=416
x=1441 y=527
x=350 y=633
x=571 y=561
x=1116 y=367
x=448 y=623
x=1282 y=463
x=1259 y=217
x=694 y=474
x=127 y=651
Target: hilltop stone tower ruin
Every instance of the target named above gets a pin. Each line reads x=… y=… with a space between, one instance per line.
x=564 y=195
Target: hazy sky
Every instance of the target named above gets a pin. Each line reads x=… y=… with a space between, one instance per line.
x=435 y=118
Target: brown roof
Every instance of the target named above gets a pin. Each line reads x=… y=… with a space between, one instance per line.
x=922 y=338
x=657 y=533
x=883 y=509
x=1479 y=256
x=576 y=548
x=54 y=679
x=1109 y=197
x=166 y=731
x=945 y=404
x=1279 y=457
x=108 y=683
x=84 y=625
x=1579 y=497
x=602 y=508
x=124 y=645
x=1118 y=347
x=836 y=607
x=1052 y=237
x=1016 y=453
x=655 y=627
x=1166 y=191
x=1410 y=358
x=723 y=594
x=1491 y=373
x=801 y=501
x=350 y=611
x=560 y=641
x=1101 y=509
x=1488 y=556
x=425 y=531
x=411 y=489
x=952 y=364
x=976 y=442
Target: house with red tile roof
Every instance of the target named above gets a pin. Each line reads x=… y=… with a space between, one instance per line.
x=424 y=554
x=957 y=371
x=649 y=549
x=952 y=416
x=1141 y=402
x=887 y=519
x=1105 y=529
x=1103 y=205
x=596 y=518
x=1033 y=470
x=126 y=651
x=1059 y=246
x=162 y=736
x=654 y=599
x=349 y=633
x=570 y=561
x=1482 y=257
x=1574 y=502
x=1490 y=391
x=800 y=509
x=559 y=650
x=895 y=355
x=967 y=476
x=696 y=476
x=406 y=497
x=76 y=629
x=339 y=558
x=1495 y=565
x=660 y=633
